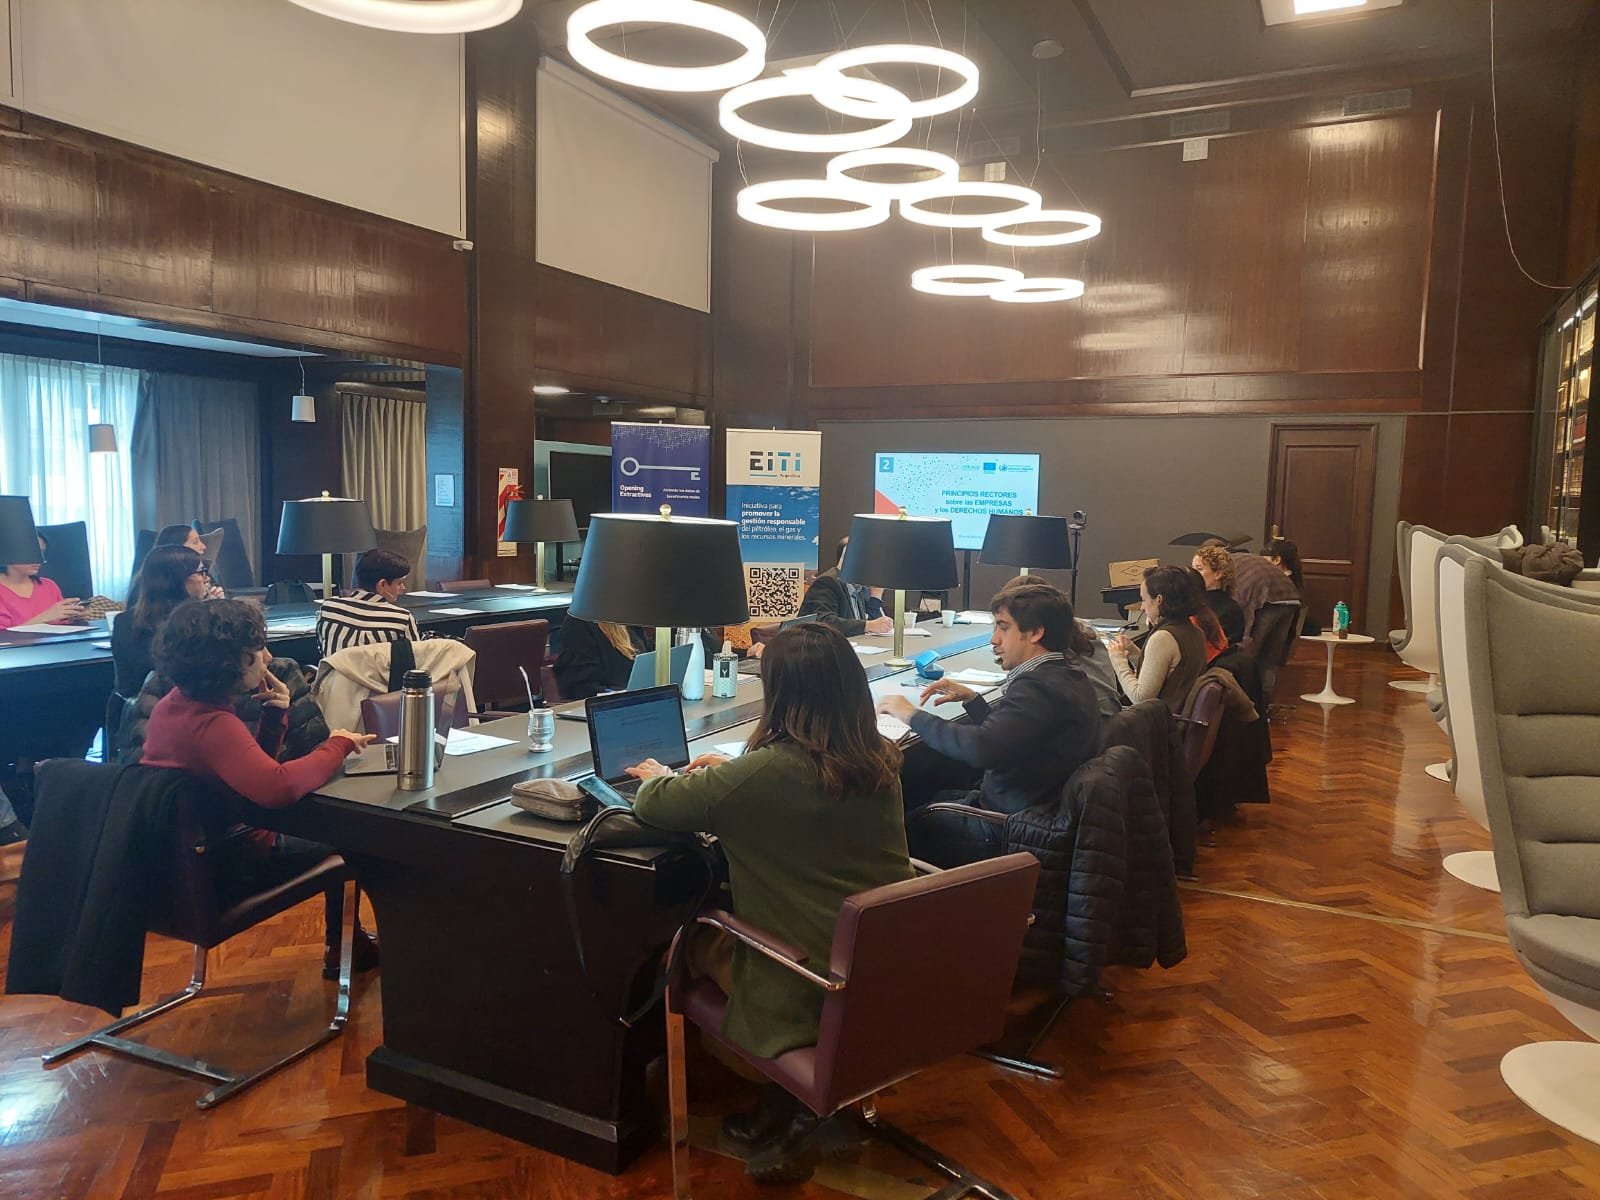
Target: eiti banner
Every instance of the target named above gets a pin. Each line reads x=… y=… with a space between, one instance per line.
x=774 y=493
x=652 y=465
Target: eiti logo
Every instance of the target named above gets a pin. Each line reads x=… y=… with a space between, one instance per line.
x=886 y=464
x=989 y=468
x=775 y=464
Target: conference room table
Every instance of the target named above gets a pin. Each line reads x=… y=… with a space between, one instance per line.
x=54 y=687
x=488 y=1014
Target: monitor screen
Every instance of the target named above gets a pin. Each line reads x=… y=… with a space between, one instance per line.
x=967 y=488
x=585 y=479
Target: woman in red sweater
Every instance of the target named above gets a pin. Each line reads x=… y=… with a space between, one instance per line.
x=214 y=652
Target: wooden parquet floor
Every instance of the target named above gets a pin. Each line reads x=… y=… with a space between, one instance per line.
x=1335 y=1033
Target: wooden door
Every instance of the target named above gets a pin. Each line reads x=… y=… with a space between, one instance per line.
x=1319 y=493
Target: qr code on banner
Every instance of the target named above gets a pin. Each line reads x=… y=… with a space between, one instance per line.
x=773 y=588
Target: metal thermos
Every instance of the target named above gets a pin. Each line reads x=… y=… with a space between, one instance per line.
x=541 y=730
x=416 y=732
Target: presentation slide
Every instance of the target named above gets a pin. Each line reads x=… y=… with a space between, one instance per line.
x=967 y=488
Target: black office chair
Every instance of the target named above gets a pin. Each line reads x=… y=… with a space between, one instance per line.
x=1272 y=640
x=67 y=559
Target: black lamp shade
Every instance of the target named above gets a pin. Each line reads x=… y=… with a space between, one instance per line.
x=645 y=570
x=540 y=521
x=325 y=525
x=901 y=553
x=19 y=538
x=1027 y=541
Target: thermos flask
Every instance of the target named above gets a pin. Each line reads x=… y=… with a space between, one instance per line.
x=416 y=732
x=724 y=672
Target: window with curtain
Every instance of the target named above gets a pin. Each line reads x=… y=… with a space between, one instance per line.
x=384 y=459
x=46 y=408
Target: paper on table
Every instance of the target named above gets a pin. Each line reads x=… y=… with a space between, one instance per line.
x=731 y=749
x=519 y=587
x=975 y=675
x=974 y=617
x=456 y=612
x=860 y=649
x=464 y=742
x=892 y=727
x=291 y=627
x=432 y=595
x=917 y=631
x=51 y=630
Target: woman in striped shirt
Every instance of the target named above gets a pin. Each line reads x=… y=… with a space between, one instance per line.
x=371 y=613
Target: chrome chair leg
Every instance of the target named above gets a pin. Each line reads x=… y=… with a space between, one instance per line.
x=677 y=1104
x=1026 y=1061
x=197 y=983
x=962 y=1181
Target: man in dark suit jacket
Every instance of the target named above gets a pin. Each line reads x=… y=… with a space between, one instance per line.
x=848 y=607
x=1042 y=727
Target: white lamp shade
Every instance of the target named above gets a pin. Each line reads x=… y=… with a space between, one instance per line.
x=303 y=408
x=102 y=439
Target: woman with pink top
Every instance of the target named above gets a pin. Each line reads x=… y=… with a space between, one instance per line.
x=27 y=598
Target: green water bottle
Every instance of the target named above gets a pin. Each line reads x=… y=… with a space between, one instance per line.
x=1341 y=620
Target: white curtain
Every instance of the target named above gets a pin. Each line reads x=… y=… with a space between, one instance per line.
x=198 y=457
x=384 y=460
x=46 y=408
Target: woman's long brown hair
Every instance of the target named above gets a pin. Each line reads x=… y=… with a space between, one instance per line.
x=817 y=699
x=617 y=635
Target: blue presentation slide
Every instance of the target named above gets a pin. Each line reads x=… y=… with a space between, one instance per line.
x=967 y=488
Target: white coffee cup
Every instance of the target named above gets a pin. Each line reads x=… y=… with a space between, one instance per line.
x=947 y=616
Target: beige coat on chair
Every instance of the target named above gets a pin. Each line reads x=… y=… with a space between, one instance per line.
x=347 y=678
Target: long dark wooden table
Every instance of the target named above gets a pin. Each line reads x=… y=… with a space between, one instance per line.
x=487 y=1015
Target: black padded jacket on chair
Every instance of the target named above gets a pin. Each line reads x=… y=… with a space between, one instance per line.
x=1150 y=729
x=306 y=728
x=1107 y=893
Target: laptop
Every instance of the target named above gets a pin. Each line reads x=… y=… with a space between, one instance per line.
x=383 y=758
x=625 y=728
x=643 y=674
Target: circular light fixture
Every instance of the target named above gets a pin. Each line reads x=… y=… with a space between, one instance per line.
x=831 y=78
x=1087 y=225
x=963 y=279
x=840 y=166
x=1041 y=290
x=692 y=14
x=550 y=389
x=1027 y=201
x=755 y=205
x=418 y=16
x=802 y=83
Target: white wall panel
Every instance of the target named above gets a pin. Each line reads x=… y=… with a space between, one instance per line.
x=5 y=49
x=261 y=88
x=624 y=197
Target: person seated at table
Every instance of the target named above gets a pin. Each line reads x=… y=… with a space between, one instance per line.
x=189 y=537
x=28 y=598
x=170 y=575
x=597 y=656
x=807 y=816
x=1175 y=653
x=371 y=613
x=850 y=608
x=1257 y=580
x=215 y=651
x=1085 y=651
x=1042 y=726
x=1216 y=568
x=1285 y=555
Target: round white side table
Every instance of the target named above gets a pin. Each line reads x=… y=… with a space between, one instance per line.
x=1327 y=695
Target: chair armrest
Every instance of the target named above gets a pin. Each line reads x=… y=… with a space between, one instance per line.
x=982 y=814
x=763 y=943
x=924 y=868
x=1183 y=720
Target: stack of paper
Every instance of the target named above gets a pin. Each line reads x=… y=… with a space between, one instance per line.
x=866 y=650
x=432 y=595
x=892 y=727
x=456 y=612
x=977 y=676
x=974 y=617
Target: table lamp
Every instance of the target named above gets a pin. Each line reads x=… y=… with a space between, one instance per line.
x=661 y=571
x=326 y=525
x=19 y=539
x=901 y=553
x=540 y=521
x=1027 y=542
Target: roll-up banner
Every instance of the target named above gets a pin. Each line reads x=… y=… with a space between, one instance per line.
x=774 y=493
x=652 y=465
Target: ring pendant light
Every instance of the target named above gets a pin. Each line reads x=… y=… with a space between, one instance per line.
x=963 y=279
x=418 y=16
x=1040 y=290
x=831 y=93
x=840 y=166
x=802 y=83
x=755 y=204
x=692 y=14
x=1026 y=199
x=1087 y=225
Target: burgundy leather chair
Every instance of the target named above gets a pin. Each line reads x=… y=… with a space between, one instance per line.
x=194 y=913
x=501 y=650
x=920 y=971
x=1201 y=719
x=549 y=686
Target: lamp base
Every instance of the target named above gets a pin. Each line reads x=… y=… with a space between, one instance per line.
x=897 y=662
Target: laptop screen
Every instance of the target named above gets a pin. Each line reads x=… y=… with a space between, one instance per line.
x=643 y=674
x=628 y=727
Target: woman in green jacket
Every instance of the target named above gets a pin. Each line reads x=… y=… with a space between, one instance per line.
x=808 y=815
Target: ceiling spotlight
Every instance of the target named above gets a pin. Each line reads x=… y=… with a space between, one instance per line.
x=1085 y=226
x=831 y=77
x=1026 y=200
x=550 y=389
x=418 y=16
x=803 y=83
x=1041 y=290
x=963 y=279
x=865 y=210
x=692 y=14
x=841 y=166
